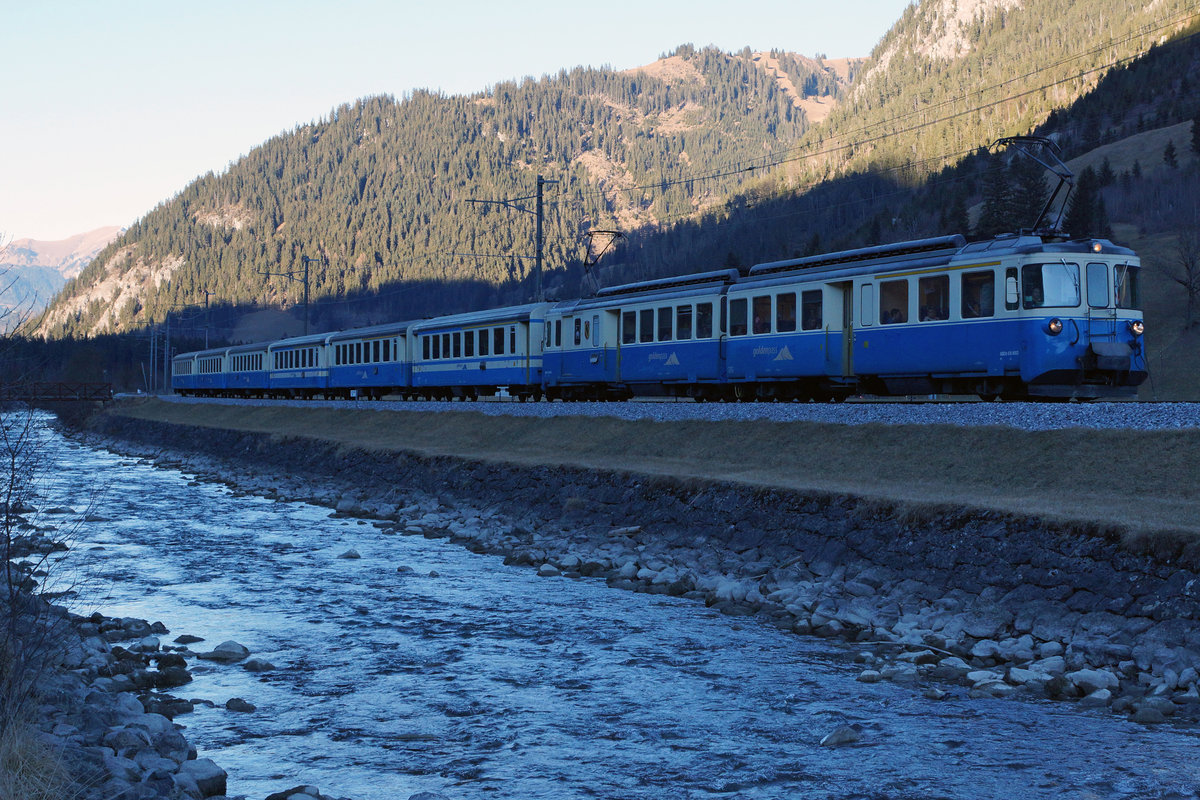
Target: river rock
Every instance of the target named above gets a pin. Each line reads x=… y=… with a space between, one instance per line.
x=240 y=705
x=1090 y=680
x=351 y=553
x=226 y=653
x=1145 y=715
x=1097 y=699
x=844 y=735
x=869 y=676
x=187 y=639
x=201 y=778
x=258 y=665
x=548 y=571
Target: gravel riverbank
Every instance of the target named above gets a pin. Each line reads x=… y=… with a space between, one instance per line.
x=982 y=603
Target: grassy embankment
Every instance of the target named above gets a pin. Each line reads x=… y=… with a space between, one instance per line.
x=1136 y=484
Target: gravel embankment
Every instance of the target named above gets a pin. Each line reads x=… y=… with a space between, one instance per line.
x=1020 y=416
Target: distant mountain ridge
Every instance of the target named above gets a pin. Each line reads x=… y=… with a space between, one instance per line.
x=33 y=271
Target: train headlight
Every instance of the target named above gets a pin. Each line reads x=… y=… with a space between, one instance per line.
x=1055 y=326
x=1137 y=327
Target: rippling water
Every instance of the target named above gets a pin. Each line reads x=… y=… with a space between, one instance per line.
x=487 y=681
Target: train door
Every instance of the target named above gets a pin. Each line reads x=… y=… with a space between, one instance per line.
x=606 y=340
x=1101 y=315
x=839 y=343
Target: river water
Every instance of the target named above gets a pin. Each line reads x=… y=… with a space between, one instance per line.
x=483 y=680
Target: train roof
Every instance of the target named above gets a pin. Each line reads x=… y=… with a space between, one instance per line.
x=212 y=351
x=383 y=329
x=487 y=316
x=898 y=253
x=1022 y=244
x=723 y=276
x=299 y=341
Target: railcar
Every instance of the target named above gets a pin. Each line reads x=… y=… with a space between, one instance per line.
x=202 y=373
x=298 y=367
x=479 y=354
x=938 y=316
x=659 y=337
x=246 y=370
x=370 y=362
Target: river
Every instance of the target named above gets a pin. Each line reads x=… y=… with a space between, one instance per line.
x=469 y=678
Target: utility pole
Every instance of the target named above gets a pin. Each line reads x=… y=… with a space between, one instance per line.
x=537 y=265
x=295 y=276
x=207 y=320
x=167 y=357
x=538 y=213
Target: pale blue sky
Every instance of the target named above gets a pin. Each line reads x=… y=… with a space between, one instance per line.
x=112 y=106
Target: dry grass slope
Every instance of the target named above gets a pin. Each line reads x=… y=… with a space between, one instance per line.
x=1134 y=484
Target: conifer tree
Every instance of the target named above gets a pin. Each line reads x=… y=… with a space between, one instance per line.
x=1083 y=217
x=1170 y=158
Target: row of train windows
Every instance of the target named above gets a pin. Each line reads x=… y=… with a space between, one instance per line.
x=1054 y=285
x=248 y=362
x=295 y=359
x=469 y=344
x=668 y=323
x=373 y=352
x=775 y=313
x=209 y=366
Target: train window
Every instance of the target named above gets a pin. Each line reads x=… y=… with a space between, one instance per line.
x=376 y=351
x=1097 y=285
x=558 y=333
x=437 y=346
x=683 y=322
x=665 y=320
x=445 y=345
x=425 y=351
x=704 y=320
x=785 y=312
x=469 y=344
x=512 y=339
x=359 y=357
x=595 y=330
x=646 y=325
x=978 y=294
x=1050 y=285
x=893 y=302
x=387 y=349
x=1012 y=296
x=934 y=295
x=1126 y=286
x=762 y=314
x=483 y=342
x=628 y=327
x=812 y=310
x=578 y=331
x=737 y=317
x=498 y=341
x=867 y=310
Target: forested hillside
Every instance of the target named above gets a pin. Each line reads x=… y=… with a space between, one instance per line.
x=379 y=195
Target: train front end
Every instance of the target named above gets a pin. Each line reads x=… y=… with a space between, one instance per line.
x=1082 y=331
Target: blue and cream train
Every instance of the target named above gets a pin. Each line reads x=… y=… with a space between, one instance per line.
x=1019 y=316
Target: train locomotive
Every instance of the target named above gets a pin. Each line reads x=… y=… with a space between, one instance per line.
x=1020 y=316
